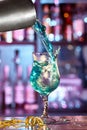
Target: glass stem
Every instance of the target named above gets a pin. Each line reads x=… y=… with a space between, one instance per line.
x=45 y=102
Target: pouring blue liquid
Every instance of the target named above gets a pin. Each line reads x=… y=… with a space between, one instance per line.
x=41 y=31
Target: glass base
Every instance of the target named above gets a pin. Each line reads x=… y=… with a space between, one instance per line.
x=59 y=121
x=48 y=120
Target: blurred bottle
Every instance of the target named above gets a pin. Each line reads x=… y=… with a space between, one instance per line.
x=19 y=89
x=19 y=35
x=0 y=83
x=0 y=61
x=67 y=24
x=8 y=37
x=47 y=22
x=30 y=94
x=46 y=9
x=1 y=96
x=68 y=33
x=2 y=36
x=30 y=35
x=16 y=59
x=46 y=19
x=78 y=31
x=58 y=30
x=7 y=89
x=56 y=22
x=33 y=1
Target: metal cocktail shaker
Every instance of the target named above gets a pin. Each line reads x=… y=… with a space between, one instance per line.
x=16 y=14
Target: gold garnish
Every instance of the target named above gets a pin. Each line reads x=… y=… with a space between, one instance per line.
x=30 y=121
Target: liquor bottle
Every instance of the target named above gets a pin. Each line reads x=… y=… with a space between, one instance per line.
x=78 y=31
x=33 y=1
x=46 y=18
x=19 y=35
x=68 y=33
x=1 y=103
x=7 y=89
x=30 y=35
x=56 y=23
x=30 y=94
x=16 y=59
x=2 y=36
x=58 y=30
x=19 y=89
x=8 y=37
x=47 y=22
x=67 y=24
x=46 y=9
x=0 y=84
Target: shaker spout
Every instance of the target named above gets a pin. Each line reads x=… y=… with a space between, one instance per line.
x=16 y=14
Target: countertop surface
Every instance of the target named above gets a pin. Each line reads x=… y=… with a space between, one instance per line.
x=61 y=123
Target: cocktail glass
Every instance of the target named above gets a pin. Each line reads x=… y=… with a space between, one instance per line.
x=44 y=79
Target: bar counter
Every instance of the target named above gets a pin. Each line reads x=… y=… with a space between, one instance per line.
x=72 y=123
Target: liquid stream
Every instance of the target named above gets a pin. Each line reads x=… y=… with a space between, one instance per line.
x=41 y=31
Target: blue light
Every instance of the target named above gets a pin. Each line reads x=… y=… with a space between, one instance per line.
x=85 y=19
